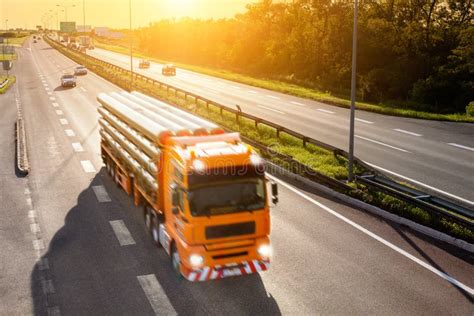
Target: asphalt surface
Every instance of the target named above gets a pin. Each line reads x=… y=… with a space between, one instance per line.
x=439 y=155
x=328 y=257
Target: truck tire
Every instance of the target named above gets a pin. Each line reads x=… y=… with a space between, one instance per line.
x=155 y=231
x=176 y=261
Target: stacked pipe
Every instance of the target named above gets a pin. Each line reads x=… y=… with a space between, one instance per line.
x=136 y=126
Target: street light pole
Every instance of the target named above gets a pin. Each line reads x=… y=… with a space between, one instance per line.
x=353 y=94
x=131 y=45
x=65 y=6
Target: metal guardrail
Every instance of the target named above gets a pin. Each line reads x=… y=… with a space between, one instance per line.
x=423 y=200
x=375 y=180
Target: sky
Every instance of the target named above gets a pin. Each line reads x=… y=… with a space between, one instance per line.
x=113 y=13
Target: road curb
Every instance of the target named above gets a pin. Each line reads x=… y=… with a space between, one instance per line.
x=430 y=232
x=22 y=162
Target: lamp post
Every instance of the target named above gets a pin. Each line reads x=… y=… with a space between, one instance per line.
x=131 y=45
x=66 y=6
x=353 y=94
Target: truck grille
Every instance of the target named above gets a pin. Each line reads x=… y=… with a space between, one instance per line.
x=221 y=231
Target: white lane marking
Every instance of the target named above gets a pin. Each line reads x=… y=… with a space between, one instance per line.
x=63 y=121
x=363 y=121
x=38 y=244
x=325 y=111
x=59 y=112
x=83 y=89
x=101 y=194
x=70 y=132
x=52 y=98
x=122 y=233
x=439 y=273
x=46 y=88
x=47 y=286
x=407 y=132
x=461 y=146
x=272 y=97
x=270 y=109
x=49 y=93
x=32 y=214
x=156 y=295
x=87 y=166
x=383 y=144
x=235 y=87
x=35 y=228
x=44 y=83
x=297 y=103
x=421 y=184
x=55 y=104
x=77 y=147
x=251 y=91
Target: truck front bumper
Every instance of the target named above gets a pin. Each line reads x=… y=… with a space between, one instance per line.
x=228 y=270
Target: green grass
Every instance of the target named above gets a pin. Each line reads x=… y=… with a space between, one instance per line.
x=299 y=91
x=11 y=81
x=316 y=158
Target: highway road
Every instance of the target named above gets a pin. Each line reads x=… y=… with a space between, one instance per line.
x=61 y=255
x=437 y=155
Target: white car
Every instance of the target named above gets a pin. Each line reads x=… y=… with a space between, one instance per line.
x=80 y=70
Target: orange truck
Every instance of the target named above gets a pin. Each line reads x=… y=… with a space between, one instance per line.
x=205 y=196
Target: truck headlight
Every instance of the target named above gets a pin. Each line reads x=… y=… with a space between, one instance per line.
x=196 y=260
x=265 y=250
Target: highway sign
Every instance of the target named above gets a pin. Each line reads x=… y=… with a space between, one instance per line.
x=67 y=27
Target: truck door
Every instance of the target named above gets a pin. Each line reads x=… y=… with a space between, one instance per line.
x=177 y=199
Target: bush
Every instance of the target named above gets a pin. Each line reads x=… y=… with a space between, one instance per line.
x=470 y=109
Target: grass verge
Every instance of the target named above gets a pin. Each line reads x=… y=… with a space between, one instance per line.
x=299 y=91
x=314 y=157
x=11 y=81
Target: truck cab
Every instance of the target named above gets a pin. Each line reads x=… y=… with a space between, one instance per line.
x=216 y=219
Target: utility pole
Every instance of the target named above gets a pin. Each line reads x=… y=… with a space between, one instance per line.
x=131 y=45
x=353 y=94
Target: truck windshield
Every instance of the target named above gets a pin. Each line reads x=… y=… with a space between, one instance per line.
x=218 y=198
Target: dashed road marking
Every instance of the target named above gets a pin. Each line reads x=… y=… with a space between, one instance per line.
x=63 y=121
x=35 y=228
x=251 y=91
x=48 y=287
x=32 y=214
x=363 y=121
x=325 y=111
x=297 y=103
x=235 y=87
x=49 y=93
x=52 y=98
x=77 y=147
x=59 y=112
x=407 y=132
x=43 y=264
x=70 y=132
x=156 y=295
x=55 y=104
x=270 y=109
x=83 y=89
x=122 y=233
x=87 y=166
x=272 y=97
x=101 y=194
x=461 y=146
x=38 y=244
x=383 y=144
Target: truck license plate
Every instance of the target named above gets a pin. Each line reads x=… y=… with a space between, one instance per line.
x=231 y=272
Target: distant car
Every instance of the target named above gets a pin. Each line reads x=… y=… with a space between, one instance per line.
x=34 y=36
x=39 y=38
x=80 y=70
x=91 y=46
x=169 y=70
x=35 y=41
x=68 y=80
x=144 y=64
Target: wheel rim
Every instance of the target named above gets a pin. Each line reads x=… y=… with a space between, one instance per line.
x=155 y=235
x=176 y=261
x=147 y=220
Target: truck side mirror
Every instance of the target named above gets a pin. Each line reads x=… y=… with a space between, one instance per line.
x=274 y=192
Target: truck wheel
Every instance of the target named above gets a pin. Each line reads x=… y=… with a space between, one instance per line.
x=176 y=261
x=155 y=231
x=148 y=218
